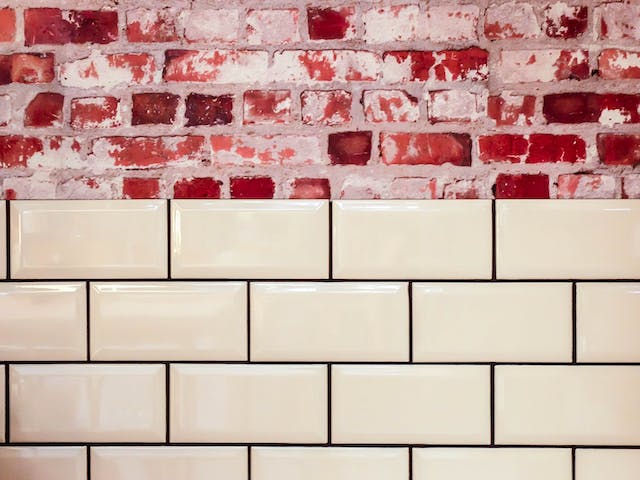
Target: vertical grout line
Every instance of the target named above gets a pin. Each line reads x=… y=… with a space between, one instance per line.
x=169 y=238
x=492 y=396
x=330 y=239
x=329 y=404
x=7 y=406
x=410 y=287
x=573 y=463
x=248 y=462
x=7 y=231
x=87 y=293
x=410 y=463
x=574 y=323
x=248 y=321
x=167 y=381
x=88 y=453
x=493 y=240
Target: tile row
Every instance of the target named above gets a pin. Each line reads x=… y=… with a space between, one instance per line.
x=320 y=321
x=303 y=239
x=351 y=404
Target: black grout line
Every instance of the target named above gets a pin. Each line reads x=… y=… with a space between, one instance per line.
x=325 y=280
x=494 y=259
x=330 y=241
x=410 y=291
x=167 y=403
x=249 y=462
x=7 y=229
x=492 y=405
x=329 y=421
x=87 y=286
x=574 y=324
x=248 y=321
x=410 y=463
x=307 y=362
x=573 y=463
x=88 y=447
x=169 y=239
x=7 y=406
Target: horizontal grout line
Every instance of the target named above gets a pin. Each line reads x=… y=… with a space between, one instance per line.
x=323 y=280
x=306 y=362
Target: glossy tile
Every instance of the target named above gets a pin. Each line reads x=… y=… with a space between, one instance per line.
x=567 y=239
x=410 y=404
x=492 y=322
x=334 y=463
x=608 y=322
x=491 y=463
x=404 y=239
x=87 y=403
x=169 y=321
x=567 y=405
x=250 y=239
x=43 y=463
x=608 y=464
x=3 y=239
x=43 y=321
x=168 y=463
x=249 y=403
x=2 y=403
x=88 y=239
x=329 y=321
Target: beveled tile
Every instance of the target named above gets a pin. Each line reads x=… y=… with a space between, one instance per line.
x=329 y=321
x=250 y=239
x=567 y=405
x=87 y=403
x=492 y=322
x=43 y=321
x=567 y=239
x=3 y=239
x=43 y=463
x=607 y=464
x=248 y=403
x=404 y=239
x=88 y=239
x=410 y=404
x=169 y=321
x=334 y=463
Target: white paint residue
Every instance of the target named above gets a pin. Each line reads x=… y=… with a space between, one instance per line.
x=610 y=117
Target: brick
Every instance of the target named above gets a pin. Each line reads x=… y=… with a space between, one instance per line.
x=349 y=148
x=133 y=187
x=456 y=105
x=272 y=27
x=465 y=189
x=154 y=108
x=618 y=20
x=197 y=188
x=46 y=26
x=109 y=70
x=7 y=25
x=579 y=107
x=58 y=152
x=5 y=110
x=445 y=65
x=150 y=152
x=44 y=110
x=93 y=26
x=393 y=23
x=614 y=64
x=521 y=66
x=212 y=25
x=208 y=109
x=32 y=68
x=415 y=188
x=618 y=149
x=561 y=20
x=355 y=187
x=326 y=107
x=522 y=186
x=95 y=112
x=390 y=106
x=6 y=62
x=52 y=26
x=534 y=148
x=511 y=20
x=331 y=23
x=252 y=187
x=89 y=188
x=586 y=186
x=267 y=106
x=426 y=148
x=631 y=186
x=325 y=66
x=144 y=25
x=266 y=150
x=452 y=23
x=219 y=66
x=15 y=150
x=304 y=188
x=502 y=148
x=511 y=109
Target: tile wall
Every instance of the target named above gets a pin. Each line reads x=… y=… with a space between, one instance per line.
x=345 y=340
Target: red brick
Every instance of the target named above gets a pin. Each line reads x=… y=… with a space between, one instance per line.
x=197 y=188
x=565 y=21
x=145 y=25
x=618 y=149
x=507 y=109
x=395 y=23
x=154 y=108
x=390 y=106
x=326 y=107
x=16 y=150
x=221 y=66
x=455 y=22
x=137 y=152
x=7 y=25
x=92 y=26
x=267 y=106
x=586 y=186
x=614 y=64
x=619 y=20
x=325 y=66
x=46 y=26
x=32 y=67
x=272 y=26
x=502 y=148
x=445 y=65
x=49 y=26
x=349 y=148
x=464 y=189
x=45 y=110
x=522 y=186
x=140 y=187
x=426 y=148
x=208 y=109
x=330 y=23
x=95 y=112
x=579 y=107
x=521 y=66
x=266 y=149
x=311 y=188
x=252 y=187
x=110 y=70
x=511 y=20
x=456 y=106
x=6 y=62
x=546 y=148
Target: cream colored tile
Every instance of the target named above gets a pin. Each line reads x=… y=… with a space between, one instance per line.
x=87 y=403
x=410 y=404
x=329 y=463
x=608 y=322
x=329 y=321
x=562 y=239
x=43 y=321
x=401 y=239
x=169 y=463
x=567 y=405
x=2 y=405
x=3 y=240
x=89 y=239
x=492 y=322
x=169 y=321
x=43 y=463
x=607 y=464
x=491 y=464
x=249 y=403
x=250 y=239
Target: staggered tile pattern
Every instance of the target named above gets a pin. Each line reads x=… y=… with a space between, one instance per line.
x=346 y=99
x=262 y=340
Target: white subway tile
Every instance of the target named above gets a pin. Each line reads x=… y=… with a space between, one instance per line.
x=43 y=321
x=403 y=239
x=43 y=463
x=3 y=239
x=329 y=321
x=410 y=404
x=492 y=322
x=89 y=239
x=2 y=405
x=87 y=403
x=607 y=464
x=249 y=403
x=250 y=239
x=608 y=322
x=567 y=405
x=567 y=239
x=491 y=464
x=169 y=321
x=170 y=463
x=329 y=463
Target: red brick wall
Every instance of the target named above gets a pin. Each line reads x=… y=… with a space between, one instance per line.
x=293 y=99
